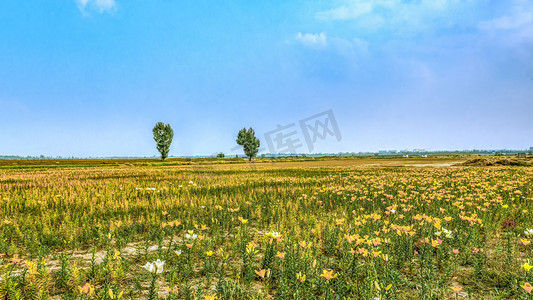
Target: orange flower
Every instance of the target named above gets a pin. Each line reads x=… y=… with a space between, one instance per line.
x=87 y=289
x=525 y=242
x=263 y=273
x=281 y=255
x=363 y=252
x=349 y=238
x=526 y=286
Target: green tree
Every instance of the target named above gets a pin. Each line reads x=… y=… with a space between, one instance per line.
x=163 y=135
x=248 y=141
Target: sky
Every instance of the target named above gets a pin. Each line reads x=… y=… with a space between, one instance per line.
x=91 y=78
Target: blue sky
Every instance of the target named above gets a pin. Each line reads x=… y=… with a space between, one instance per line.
x=92 y=77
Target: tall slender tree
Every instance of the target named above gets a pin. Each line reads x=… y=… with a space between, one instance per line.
x=163 y=135
x=248 y=141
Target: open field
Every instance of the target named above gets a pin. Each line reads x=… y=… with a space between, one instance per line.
x=240 y=162
x=302 y=229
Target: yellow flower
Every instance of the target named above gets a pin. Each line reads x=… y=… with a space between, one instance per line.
x=210 y=297
x=525 y=242
x=435 y=243
x=15 y=260
x=328 y=274
x=281 y=255
x=527 y=267
x=32 y=268
x=209 y=253
x=456 y=289
x=113 y=296
x=300 y=277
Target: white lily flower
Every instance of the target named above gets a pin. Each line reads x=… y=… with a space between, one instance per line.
x=149 y=267
x=191 y=236
x=274 y=234
x=447 y=232
x=159 y=265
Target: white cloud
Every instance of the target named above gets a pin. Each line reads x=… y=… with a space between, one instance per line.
x=99 y=5
x=309 y=39
x=517 y=20
x=346 y=12
x=400 y=16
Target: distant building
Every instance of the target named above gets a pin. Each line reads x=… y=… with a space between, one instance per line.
x=419 y=150
x=406 y=155
x=521 y=155
x=387 y=151
x=425 y=155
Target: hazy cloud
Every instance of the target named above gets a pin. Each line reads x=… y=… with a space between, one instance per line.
x=514 y=21
x=310 y=39
x=99 y=5
x=345 y=12
x=398 y=15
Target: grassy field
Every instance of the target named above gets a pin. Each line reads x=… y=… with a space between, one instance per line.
x=301 y=229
